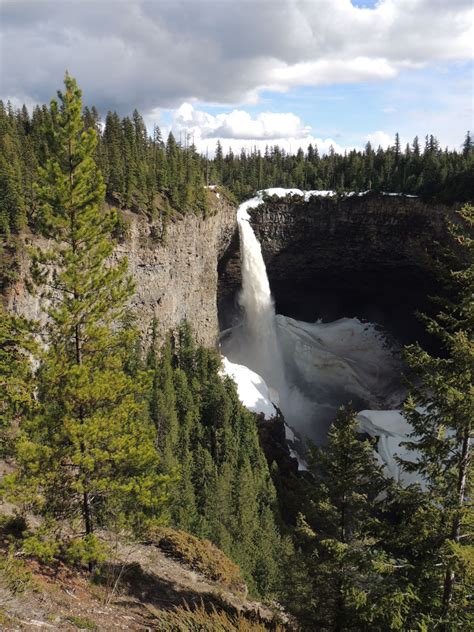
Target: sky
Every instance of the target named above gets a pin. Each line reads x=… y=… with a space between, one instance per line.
x=253 y=73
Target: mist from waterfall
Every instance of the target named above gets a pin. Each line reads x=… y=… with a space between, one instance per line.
x=308 y=369
x=263 y=353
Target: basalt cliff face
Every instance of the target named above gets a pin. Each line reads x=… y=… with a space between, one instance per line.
x=175 y=275
x=369 y=256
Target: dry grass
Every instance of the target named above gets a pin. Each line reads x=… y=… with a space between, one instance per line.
x=200 y=555
x=199 y=620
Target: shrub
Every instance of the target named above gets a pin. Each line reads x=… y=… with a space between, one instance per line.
x=82 y=623
x=200 y=555
x=15 y=575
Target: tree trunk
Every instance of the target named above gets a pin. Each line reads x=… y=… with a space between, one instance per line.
x=449 y=579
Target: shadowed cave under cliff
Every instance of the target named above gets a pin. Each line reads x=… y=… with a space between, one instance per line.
x=370 y=258
x=361 y=266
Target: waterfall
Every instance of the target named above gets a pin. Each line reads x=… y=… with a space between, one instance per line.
x=259 y=324
x=313 y=367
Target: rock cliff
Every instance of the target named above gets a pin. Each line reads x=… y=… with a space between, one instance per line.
x=368 y=256
x=175 y=276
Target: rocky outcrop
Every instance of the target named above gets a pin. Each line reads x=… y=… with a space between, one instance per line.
x=175 y=276
x=368 y=256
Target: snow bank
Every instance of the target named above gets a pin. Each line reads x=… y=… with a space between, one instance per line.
x=325 y=365
x=251 y=388
x=346 y=355
x=242 y=212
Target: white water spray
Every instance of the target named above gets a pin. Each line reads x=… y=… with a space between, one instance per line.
x=314 y=366
x=259 y=325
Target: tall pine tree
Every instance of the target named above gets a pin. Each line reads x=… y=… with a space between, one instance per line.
x=87 y=459
x=441 y=411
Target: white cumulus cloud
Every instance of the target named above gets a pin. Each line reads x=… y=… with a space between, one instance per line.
x=238 y=130
x=239 y=124
x=380 y=138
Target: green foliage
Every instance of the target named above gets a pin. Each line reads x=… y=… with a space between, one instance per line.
x=87 y=457
x=82 y=623
x=431 y=173
x=16 y=380
x=224 y=491
x=157 y=178
x=349 y=580
x=86 y=551
x=41 y=545
x=14 y=573
x=140 y=173
x=441 y=410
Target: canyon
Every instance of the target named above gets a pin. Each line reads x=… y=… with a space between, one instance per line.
x=367 y=256
x=345 y=274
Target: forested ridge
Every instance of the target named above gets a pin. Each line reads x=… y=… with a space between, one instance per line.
x=157 y=176
x=110 y=433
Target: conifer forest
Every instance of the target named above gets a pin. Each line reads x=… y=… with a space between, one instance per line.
x=255 y=466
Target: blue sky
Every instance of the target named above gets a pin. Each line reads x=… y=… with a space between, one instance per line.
x=437 y=99
x=253 y=72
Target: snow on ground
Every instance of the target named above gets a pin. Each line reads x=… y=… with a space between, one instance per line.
x=254 y=202
x=325 y=365
x=345 y=354
x=242 y=212
x=391 y=429
x=251 y=388
x=257 y=397
x=329 y=364
x=399 y=195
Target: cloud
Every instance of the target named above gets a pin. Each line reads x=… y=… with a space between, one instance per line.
x=239 y=124
x=237 y=130
x=380 y=138
x=150 y=54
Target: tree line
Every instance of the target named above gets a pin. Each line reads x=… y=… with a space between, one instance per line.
x=148 y=174
x=425 y=169
x=142 y=173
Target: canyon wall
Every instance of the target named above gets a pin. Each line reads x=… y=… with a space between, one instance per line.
x=175 y=276
x=369 y=256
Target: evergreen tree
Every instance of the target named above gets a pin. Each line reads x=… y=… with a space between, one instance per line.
x=441 y=411
x=350 y=575
x=16 y=379
x=223 y=490
x=87 y=459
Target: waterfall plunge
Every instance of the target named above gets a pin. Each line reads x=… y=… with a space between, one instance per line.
x=314 y=366
x=263 y=353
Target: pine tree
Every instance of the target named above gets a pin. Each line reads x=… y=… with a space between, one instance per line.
x=87 y=459
x=441 y=411
x=16 y=379
x=468 y=145
x=349 y=572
